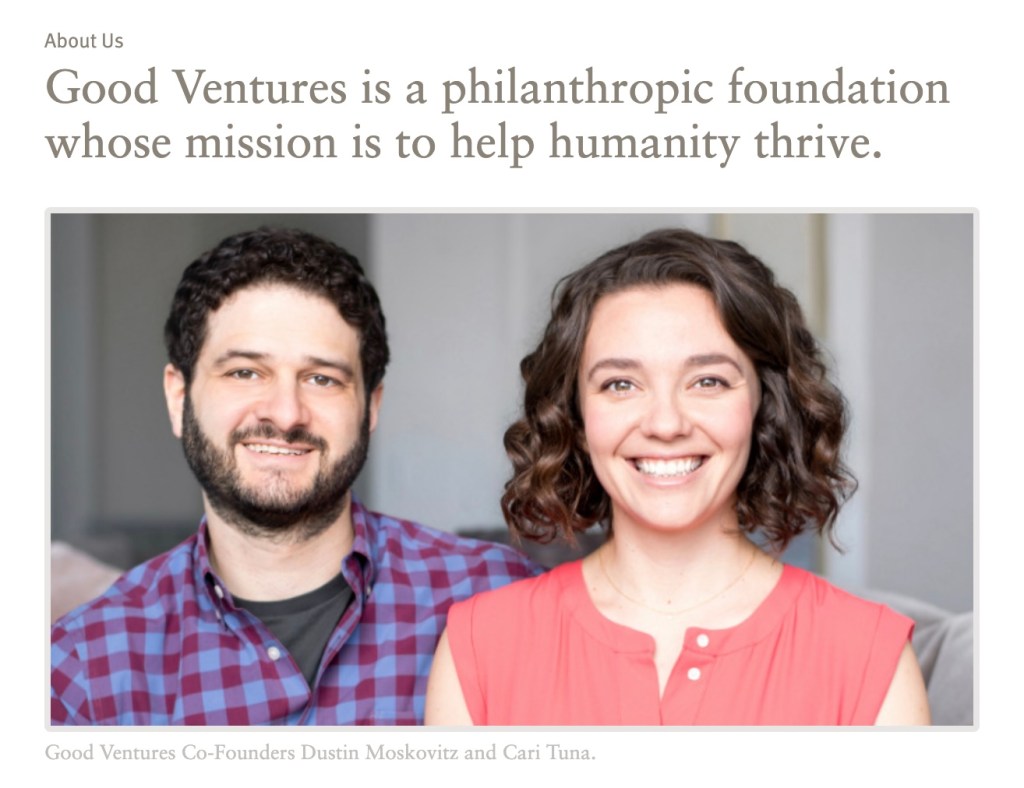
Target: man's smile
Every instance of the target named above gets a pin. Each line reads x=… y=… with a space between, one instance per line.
x=267 y=448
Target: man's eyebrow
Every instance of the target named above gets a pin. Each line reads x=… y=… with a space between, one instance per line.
x=230 y=355
x=343 y=367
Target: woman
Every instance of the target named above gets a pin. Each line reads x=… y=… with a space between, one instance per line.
x=677 y=397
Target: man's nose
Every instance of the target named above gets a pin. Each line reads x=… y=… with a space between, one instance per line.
x=283 y=405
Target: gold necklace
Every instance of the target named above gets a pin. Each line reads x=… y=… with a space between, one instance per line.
x=624 y=595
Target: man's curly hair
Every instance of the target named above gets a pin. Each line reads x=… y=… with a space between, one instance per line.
x=795 y=477
x=275 y=256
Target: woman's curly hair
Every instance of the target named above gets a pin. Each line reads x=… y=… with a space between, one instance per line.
x=795 y=477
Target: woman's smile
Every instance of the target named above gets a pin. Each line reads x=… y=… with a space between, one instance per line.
x=668 y=468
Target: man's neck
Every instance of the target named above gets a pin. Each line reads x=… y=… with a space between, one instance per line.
x=266 y=569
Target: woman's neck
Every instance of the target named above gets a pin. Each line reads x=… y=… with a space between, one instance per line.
x=675 y=571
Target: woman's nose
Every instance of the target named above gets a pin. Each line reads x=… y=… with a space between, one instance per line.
x=666 y=417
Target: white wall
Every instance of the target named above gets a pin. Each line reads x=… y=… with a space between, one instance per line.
x=906 y=363
x=114 y=461
x=466 y=297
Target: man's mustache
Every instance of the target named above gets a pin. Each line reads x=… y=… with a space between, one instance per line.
x=270 y=432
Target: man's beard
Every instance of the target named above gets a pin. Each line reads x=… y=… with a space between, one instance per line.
x=272 y=510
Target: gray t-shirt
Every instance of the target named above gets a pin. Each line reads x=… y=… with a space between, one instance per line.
x=304 y=623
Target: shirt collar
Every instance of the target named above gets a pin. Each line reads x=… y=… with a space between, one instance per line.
x=365 y=541
x=360 y=564
x=204 y=575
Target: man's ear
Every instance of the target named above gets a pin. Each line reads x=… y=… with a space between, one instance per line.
x=174 y=393
x=374 y=405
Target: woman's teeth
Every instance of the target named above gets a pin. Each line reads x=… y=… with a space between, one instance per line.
x=662 y=468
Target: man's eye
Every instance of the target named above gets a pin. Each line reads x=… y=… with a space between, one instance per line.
x=323 y=381
x=243 y=374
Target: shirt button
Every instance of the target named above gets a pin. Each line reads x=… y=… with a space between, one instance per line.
x=693 y=674
x=703 y=640
x=274 y=653
x=219 y=592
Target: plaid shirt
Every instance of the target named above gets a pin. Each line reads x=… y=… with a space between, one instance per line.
x=166 y=645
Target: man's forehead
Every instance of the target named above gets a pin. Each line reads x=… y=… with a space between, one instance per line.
x=272 y=290
x=282 y=316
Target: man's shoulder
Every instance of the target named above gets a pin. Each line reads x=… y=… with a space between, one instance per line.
x=115 y=640
x=408 y=546
x=552 y=593
x=146 y=590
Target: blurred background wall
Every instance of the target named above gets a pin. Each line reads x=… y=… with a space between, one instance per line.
x=466 y=296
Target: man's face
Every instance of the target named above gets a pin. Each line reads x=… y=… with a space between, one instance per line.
x=276 y=423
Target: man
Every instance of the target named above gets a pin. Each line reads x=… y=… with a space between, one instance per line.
x=292 y=604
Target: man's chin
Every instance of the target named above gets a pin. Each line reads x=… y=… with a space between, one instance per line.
x=280 y=518
x=277 y=498
x=275 y=491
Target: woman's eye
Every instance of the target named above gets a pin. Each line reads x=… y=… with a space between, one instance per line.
x=619 y=386
x=710 y=383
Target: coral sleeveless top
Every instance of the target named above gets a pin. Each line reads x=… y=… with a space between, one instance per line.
x=538 y=652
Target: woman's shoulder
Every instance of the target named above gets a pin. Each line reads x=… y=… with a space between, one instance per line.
x=822 y=594
x=495 y=625
x=828 y=613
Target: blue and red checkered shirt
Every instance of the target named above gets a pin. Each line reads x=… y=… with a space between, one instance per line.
x=166 y=645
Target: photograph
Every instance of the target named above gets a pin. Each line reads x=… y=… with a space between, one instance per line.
x=552 y=468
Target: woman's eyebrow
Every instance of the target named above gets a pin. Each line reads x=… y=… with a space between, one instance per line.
x=612 y=363
x=708 y=359
x=696 y=360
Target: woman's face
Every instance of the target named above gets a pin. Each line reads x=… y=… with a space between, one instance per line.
x=668 y=402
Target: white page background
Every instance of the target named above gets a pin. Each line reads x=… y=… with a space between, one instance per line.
x=962 y=155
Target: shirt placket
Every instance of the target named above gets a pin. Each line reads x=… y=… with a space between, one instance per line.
x=357 y=578
x=689 y=680
x=245 y=626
